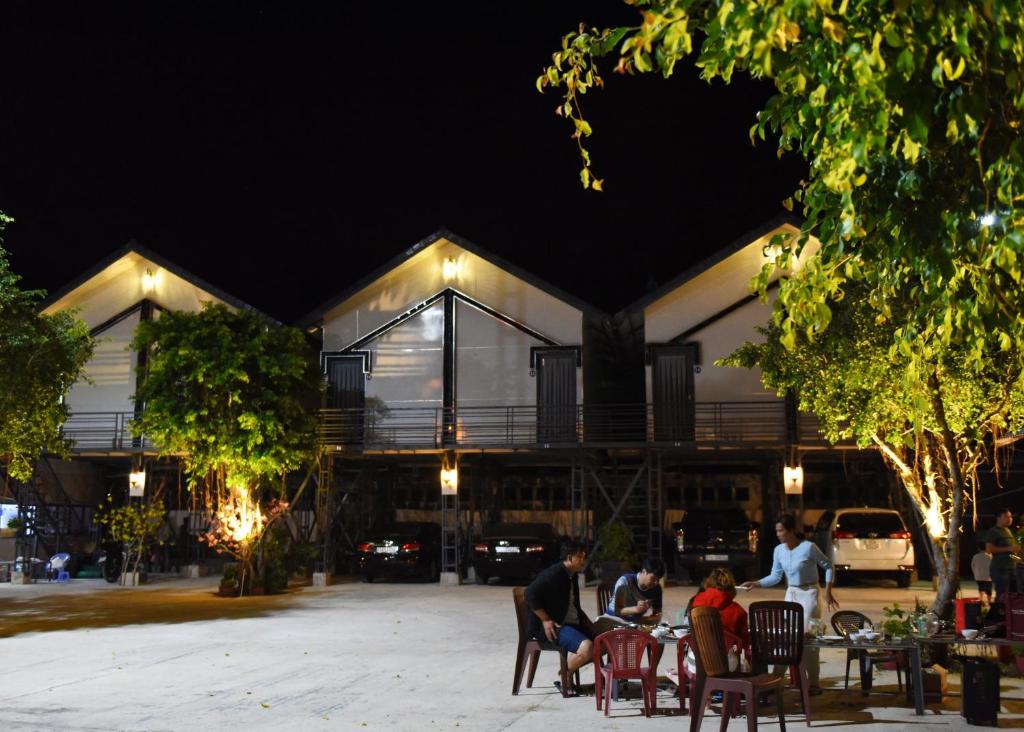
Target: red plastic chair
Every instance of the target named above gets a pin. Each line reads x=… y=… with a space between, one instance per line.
x=625 y=650
x=687 y=685
x=531 y=647
x=777 y=639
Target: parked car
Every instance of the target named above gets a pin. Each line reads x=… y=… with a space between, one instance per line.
x=716 y=537
x=515 y=551
x=409 y=548
x=867 y=542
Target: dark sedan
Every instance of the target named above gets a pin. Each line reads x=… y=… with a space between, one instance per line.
x=514 y=551
x=407 y=549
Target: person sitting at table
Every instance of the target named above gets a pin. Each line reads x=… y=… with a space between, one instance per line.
x=798 y=560
x=556 y=614
x=637 y=596
x=720 y=592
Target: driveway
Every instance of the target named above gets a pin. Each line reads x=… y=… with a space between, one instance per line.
x=173 y=656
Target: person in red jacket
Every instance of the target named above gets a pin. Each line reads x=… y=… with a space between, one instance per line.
x=720 y=592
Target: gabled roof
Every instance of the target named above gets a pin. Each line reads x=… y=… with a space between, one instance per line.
x=314 y=316
x=134 y=247
x=725 y=252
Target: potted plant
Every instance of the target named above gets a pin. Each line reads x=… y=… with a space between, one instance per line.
x=616 y=552
x=896 y=622
x=229 y=582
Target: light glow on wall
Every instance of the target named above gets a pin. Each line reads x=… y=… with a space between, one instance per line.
x=793 y=478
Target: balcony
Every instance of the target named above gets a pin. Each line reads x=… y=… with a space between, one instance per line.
x=103 y=432
x=751 y=425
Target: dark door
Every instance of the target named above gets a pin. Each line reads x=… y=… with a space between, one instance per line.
x=672 y=382
x=346 y=396
x=556 y=396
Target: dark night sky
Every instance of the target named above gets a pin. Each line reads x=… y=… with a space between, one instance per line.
x=282 y=151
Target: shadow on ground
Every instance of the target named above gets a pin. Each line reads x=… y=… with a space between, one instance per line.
x=118 y=607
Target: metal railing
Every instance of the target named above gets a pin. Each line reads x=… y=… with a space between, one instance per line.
x=709 y=424
x=739 y=424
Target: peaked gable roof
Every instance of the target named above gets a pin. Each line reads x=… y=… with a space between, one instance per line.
x=736 y=245
x=133 y=247
x=314 y=316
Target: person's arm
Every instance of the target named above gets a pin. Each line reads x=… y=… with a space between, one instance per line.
x=535 y=598
x=772 y=578
x=621 y=608
x=550 y=628
x=822 y=561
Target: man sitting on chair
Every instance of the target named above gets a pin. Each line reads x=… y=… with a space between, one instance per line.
x=556 y=615
x=637 y=596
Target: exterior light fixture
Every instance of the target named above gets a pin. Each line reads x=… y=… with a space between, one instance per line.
x=136 y=483
x=450 y=268
x=148 y=281
x=793 y=479
x=449 y=479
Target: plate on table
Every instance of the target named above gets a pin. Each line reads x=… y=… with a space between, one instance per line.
x=831 y=638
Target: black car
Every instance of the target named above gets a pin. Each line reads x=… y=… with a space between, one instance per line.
x=721 y=537
x=515 y=551
x=407 y=549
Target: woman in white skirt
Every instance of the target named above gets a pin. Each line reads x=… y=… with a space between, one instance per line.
x=798 y=560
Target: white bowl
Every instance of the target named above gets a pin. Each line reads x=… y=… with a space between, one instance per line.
x=969 y=633
x=869 y=635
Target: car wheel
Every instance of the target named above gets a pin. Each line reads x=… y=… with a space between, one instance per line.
x=367 y=577
x=482 y=579
x=433 y=574
x=903 y=579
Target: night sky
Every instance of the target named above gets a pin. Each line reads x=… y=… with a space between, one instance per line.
x=281 y=151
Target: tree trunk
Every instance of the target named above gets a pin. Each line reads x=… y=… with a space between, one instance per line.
x=949 y=576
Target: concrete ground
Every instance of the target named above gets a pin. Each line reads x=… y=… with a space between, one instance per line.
x=404 y=656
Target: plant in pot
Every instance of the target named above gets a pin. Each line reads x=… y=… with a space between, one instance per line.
x=896 y=621
x=616 y=552
x=229 y=582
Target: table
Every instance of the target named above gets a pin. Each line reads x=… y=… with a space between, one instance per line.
x=909 y=645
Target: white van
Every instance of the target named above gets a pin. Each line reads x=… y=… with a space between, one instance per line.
x=868 y=542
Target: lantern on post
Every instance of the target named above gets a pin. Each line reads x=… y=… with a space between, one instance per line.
x=137 y=483
x=793 y=479
x=449 y=478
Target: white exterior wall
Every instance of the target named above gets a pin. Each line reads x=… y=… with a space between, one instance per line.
x=111 y=371
x=422 y=276
x=492 y=361
x=712 y=291
x=115 y=289
x=406 y=362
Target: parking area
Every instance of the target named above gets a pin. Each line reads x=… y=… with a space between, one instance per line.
x=172 y=655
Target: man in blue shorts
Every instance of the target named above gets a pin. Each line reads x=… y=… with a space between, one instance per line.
x=556 y=615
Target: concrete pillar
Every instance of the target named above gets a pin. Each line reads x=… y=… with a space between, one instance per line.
x=322 y=579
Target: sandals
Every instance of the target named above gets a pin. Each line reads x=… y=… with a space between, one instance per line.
x=569 y=693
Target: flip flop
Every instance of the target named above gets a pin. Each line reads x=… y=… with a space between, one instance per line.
x=569 y=693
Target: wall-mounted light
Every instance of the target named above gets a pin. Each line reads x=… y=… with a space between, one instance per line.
x=449 y=479
x=136 y=483
x=148 y=281
x=793 y=479
x=450 y=268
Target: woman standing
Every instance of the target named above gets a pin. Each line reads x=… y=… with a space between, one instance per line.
x=799 y=559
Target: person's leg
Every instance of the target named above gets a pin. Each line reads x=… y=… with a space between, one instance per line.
x=579 y=647
x=584 y=654
x=1000 y=583
x=810 y=599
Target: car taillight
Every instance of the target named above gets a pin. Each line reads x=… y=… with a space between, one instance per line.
x=412 y=546
x=534 y=548
x=680 y=535
x=752 y=537
x=480 y=548
x=844 y=535
x=899 y=535
x=365 y=547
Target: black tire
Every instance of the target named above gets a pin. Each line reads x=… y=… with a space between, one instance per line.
x=903 y=579
x=482 y=579
x=367 y=577
x=433 y=573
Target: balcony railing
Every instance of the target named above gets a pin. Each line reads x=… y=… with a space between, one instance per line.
x=103 y=431
x=712 y=424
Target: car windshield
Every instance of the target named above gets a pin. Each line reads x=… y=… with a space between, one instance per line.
x=539 y=531
x=882 y=523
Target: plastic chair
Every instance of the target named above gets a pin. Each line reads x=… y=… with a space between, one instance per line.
x=777 y=639
x=686 y=679
x=713 y=674
x=846 y=621
x=58 y=563
x=604 y=596
x=533 y=647
x=625 y=649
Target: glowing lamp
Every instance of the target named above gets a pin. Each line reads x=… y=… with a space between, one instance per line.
x=148 y=281
x=450 y=268
x=136 y=483
x=449 y=480
x=793 y=479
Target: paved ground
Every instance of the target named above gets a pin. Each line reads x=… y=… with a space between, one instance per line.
x=172 y=656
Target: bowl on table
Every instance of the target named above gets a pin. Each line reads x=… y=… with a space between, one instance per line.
x=869 y=635
x=969 y=633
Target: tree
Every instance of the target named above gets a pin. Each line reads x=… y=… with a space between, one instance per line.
x=134 y=526
x=908 y=115
x=229 y=392
x=41 y=356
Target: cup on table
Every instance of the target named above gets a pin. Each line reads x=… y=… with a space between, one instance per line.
x=969 y=633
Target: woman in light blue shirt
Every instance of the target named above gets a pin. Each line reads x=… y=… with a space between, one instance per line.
x=799 y=559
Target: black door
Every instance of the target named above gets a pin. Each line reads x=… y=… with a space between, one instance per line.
x=556 y=396
x=672 y=382
x=346 y=394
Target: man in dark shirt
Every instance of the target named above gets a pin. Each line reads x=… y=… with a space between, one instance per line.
x=999 y=542
x=556 y=615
